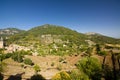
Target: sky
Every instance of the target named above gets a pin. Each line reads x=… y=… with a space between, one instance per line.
x=101 y=16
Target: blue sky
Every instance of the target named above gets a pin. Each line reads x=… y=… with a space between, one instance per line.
x=101 y=16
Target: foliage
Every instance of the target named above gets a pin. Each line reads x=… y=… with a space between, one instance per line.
x=89 y=51
x=22 y=52
x=101 y=39
x=101 y=53
x=37 y=68
x=33 y=36
x=8 y=55
x=74 y=41
x=61 y=76
x=28 y=61
x=108 y=73
x=52 y=64
x=2 y=57
x=2 y=66
x=17 y=56
x=5 y=56
x=98 y=48
x=1 y=51
x=91 y=67
x=77 y=75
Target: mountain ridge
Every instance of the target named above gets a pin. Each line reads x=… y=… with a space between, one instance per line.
x=87 y=33
x=35 y=33
x=9 y=31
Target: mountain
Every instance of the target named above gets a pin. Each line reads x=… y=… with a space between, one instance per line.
x=58 y=33
x=47 y=34
x=101 y=39
x=9 y=31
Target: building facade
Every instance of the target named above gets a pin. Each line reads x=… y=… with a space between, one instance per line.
x=1 y=43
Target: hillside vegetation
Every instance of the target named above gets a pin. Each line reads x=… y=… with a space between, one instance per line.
x=63 y=33
x=58 y=53
x=58 y=32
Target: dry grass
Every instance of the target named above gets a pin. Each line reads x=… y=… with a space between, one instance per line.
x=47 y=70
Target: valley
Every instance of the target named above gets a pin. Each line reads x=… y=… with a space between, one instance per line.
x=51 y=52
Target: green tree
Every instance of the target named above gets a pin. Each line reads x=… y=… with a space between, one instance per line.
x=61 y=76
x=28 y=61
x=17 y=56
x=91 y=67
x=89 y=51
x=77 y=75
x=97 y=48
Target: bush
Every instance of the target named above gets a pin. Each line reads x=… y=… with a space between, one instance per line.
x=5 y=56
x=8 y=55
x=52 y=64
x=37 y=68
x=91 y=67
x=28 y=61
x=61 y=76
x=17 y=56
x=77 y=75
x=101 y=53
x=2 y=57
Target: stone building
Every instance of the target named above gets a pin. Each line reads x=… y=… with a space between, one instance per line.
x=1 y=43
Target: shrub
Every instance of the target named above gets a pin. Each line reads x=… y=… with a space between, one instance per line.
x=22 y=65
x=17 y=57
x=61 y=76
x=8 y=55
x=101 y=53
x=77 y=75
x=91 y=67
x=28 y=61
x=52 y=64
x=37 y=68
x=5 y=56
x=2 y=57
